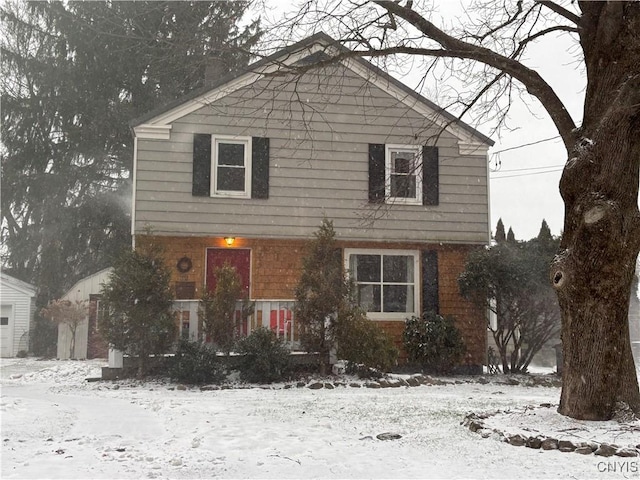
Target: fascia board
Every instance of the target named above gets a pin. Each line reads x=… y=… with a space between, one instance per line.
x=18 y=285
x=153 y=132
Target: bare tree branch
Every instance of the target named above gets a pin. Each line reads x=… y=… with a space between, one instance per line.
x=454 y=47
x=572 y=17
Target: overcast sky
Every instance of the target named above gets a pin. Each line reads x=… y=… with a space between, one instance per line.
x=524 y=180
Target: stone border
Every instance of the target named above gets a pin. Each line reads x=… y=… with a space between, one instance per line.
x=475 y=423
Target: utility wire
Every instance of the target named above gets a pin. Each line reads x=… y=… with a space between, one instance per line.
x=527 y=174
x=528 y=168
x=525 y=145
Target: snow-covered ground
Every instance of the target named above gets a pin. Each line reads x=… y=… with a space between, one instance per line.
x=57 y=425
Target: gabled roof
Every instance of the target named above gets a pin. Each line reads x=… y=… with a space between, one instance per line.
x=159 y=120
x=18 y=285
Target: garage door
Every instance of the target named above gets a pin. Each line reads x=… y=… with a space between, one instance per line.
x=6 y=330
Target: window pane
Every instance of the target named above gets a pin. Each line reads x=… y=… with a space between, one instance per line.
x=403 y=186
x=402 y=162
x=231 y=154
x=402 y=165
x=369 y=297
x=398 y=298
x=398 y=269
x=365 y=268
x=230 y=179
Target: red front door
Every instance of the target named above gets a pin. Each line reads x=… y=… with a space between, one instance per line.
x=238 y=258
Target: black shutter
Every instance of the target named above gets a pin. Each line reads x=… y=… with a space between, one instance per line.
x=376 y=173
x=201 y=186
x=430 y=180
x=430 y=301
x=260 y=167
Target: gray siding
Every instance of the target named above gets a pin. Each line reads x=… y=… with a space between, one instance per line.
x=319 y=136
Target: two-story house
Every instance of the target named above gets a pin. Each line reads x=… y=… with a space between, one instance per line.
x=243 y=172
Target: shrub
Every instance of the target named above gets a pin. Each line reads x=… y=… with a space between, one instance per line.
x=321 y=292
x=137 y=304
x=196 y=363
x=362 y=342
x=265 y=357
x=433 y=342
x=21 y=354
x=218 y=309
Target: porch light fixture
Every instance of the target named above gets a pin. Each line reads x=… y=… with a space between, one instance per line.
x=229 y=240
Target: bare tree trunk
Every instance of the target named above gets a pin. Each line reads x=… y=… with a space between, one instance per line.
x=592 y=274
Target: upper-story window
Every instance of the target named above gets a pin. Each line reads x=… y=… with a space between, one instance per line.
x=403 y=179
x=231 y=166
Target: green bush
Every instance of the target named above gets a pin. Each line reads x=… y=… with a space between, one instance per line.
x=265 y=357
x=362 y=342
x=433 y=342
x=136 y=304
x=21 y=354
x=196 y=363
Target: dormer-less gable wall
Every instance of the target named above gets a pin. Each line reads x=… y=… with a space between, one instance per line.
x=305 y=148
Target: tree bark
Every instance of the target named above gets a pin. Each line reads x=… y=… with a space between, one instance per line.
x=594 y=270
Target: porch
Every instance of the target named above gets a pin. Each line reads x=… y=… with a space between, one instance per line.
x=276 y=315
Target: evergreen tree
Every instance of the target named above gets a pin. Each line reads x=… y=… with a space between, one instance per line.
x=73 y=75
x=544 y=235
x=321 y=293
x=511 y=238
x=500 y=236
x=218 y=310
x=137 y=305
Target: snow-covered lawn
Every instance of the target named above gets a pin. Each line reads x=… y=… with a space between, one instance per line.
x=57 y=425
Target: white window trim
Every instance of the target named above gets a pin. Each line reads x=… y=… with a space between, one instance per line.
x=246 y=141
x=417 y=200
x=416 y=281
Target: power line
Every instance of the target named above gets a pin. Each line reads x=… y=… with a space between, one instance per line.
x=528 y=174
x=528 y=168
x=526 y=145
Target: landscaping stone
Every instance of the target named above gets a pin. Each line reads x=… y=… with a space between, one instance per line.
x=355 y=385
x=517 y=440
x=316 y=385
x=566 y=446
x=301 y=384
x=413 y=382
x=383 y=383
x=606 y=450
x=181 y=387
x=584 y=450
x=372 y=385
x=534 y=442
x=329 y=386
x=549 y=444
x=388 y=436
x=627 y=452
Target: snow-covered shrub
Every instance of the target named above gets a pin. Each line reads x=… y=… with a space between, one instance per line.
x=265 y=358
x=197 y=363
x=433 y=342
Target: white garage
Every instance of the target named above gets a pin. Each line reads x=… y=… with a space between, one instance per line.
x=17 y=305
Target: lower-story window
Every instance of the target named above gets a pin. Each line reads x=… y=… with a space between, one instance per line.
x=386 y=281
